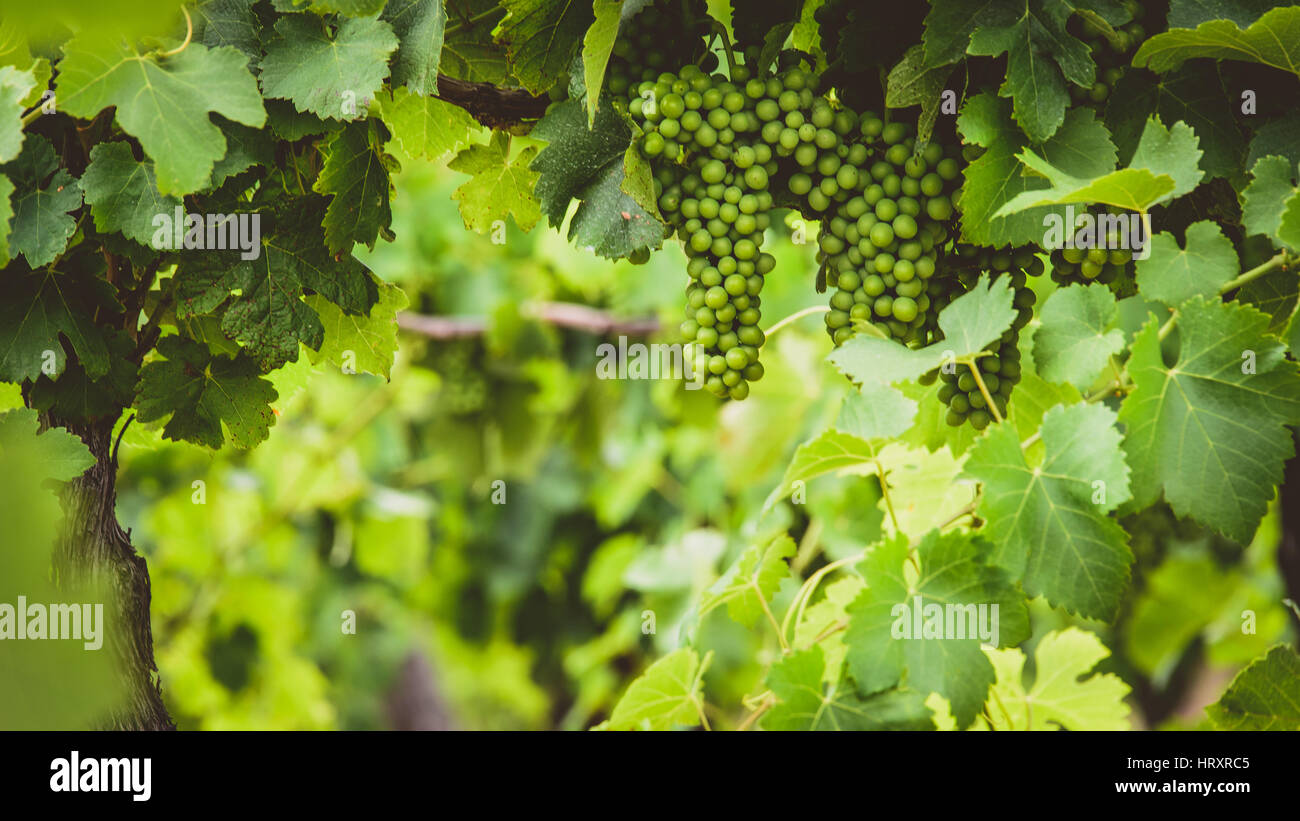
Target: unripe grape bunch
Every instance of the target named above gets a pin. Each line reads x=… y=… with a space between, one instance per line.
x=721 y=146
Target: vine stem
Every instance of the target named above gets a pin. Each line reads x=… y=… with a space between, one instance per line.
x=189 y=35
x=726 y=46
x=794 y=614
x=797 y=315
x=1278 y=261
x=767 y=704
x=984 y=391
x=884 y=493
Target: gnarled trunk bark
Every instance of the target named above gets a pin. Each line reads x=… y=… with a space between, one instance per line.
x=94 y=550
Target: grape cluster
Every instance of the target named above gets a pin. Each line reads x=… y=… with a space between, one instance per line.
x=1000 y=370
x=1112 y=267
x=712 y=172
x=662 y=36
x=885 y=234
x=1110 y=56
x=464 y=387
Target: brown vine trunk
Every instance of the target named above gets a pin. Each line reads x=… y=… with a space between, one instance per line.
x=93 y=550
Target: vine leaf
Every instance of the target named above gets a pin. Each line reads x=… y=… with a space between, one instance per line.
x=1166 y=164
x=1263 y=696
x=597 y=45
x=1048 y=521
x=370 y=340
x=75 y=395
x=1172 y=274
x=1272 y=40
x=1059 y=699
x=15 y=86
x=969 y=323
x=664 y=696
x=163 y=102
x=420 y=26
x=1194 y=94
x=751 y=581
x=1210 y=431
x=1271 y=203
x=39 y=308
x=331 y=76
x=60 y=455
x=356 y=176
x=884 y=648
x=588 y=164
x=201 y=391
x=123 y=192
x=1080 y=147
x=806 y=702
x=425 y=126
x=497 y=186
x=468 y=51
x=911 y=82
x=43 y=196
x=228 y=23
x=261 y=299
x=1077 y=335
x=541 y=38
x=821 y=620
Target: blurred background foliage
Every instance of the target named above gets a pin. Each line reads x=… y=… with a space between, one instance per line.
x=623 y=500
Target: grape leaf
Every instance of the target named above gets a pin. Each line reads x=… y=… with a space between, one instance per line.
x=468 y=52
x=1041 y=59
x=15 y=86
x=1172 y=274
x=597 y=45
x=425 y=126
x=1194 y=94
x=1080 y=147
x=42 y=197
x=884 y=648
x=1280 y=136
x=370 y=340
x=229 y=23
x=589 y=164
x=419 y=26
x=1049 y=521
x=6 y=215
x=163 y=101
x=665 y=696
x=924 y=491
x=1166 y=164
x=245 y=147
x=950 y=23
x=1077 y=335
x=969 y=323
x=356 y=177
x=1271 y=203
x=1263 y=696
x=911 y=82
x=750 y=582
x=498 y=186
x=1188 y=14
x=60 y=455
x=123 y=192
x=200 y=391
x=261 y=298
x=1058 y=698
x=291 y=124
x=541 y=38
x=872 y=412
x=333 y=77
x=75 y=395
x=1206 y=432
x=822 y=620
x=806 y=702
x=40 y=307
x=1273 y=40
